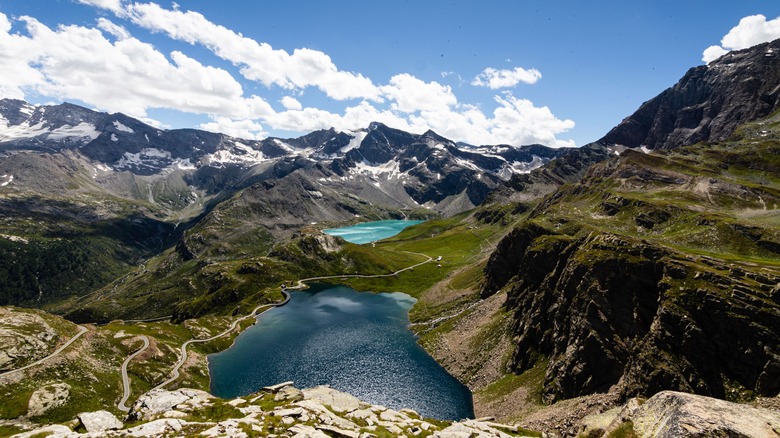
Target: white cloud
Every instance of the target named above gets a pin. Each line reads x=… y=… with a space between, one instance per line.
x=495 y=79
x=112 y=5
x=514 y=122
x=74 y=62
x=290 y=103
x=257 y=61
x=411 y=94
x=110 y=69
x=114 y=29
x=245 y=128
x=751 y=30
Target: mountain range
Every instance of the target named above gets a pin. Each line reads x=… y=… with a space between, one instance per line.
x=573 y=279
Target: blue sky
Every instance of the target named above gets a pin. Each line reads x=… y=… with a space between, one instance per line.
x=517 y=72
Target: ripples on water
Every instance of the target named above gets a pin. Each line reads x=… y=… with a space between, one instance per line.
x=355 y=342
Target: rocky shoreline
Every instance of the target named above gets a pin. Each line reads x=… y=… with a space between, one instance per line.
x=278 y=411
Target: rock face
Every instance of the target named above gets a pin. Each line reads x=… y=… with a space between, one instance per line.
x=316 y=412
x=99 y=421
x=708 y=103
x=24 y=337
x=47 y=397
x=158 y=401
x=608 y=310
x=670 y=414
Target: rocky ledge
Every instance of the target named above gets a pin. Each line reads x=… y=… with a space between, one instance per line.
x=278 y=411
x=670 y=414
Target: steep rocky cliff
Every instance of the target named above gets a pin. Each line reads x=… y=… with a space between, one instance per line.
x=708 y=103
x=656 y=271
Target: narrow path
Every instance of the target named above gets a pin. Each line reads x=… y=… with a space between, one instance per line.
x=82 y=330
x=300 y=285
x=125 y=378
x=301 y=282
x=183 y=355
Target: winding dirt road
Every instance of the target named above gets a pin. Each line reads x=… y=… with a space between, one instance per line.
x=126 y=378
x=301 y=282
x=183 y=355
x=82 y=330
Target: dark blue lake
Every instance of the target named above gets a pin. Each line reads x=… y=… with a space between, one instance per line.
x=355 y=342
x=370 y=231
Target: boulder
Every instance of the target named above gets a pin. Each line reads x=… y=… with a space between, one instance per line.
x=47 y=397
x=338 y=401
x=675 y=414
x=289 y=393
x=158 y=401
x=99 y=421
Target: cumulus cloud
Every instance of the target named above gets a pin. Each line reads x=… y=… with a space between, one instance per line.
x=111 y=5
x=751 y=30
x=75 y=62
x=257 y=61
x=112 y=28
x=107 y=67
x=290 y=103
x=245 y=128
x=411 y=94
x=495 y=79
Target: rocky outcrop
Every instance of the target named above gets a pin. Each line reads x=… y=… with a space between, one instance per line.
x=99 y=421
x=47 y=397
x=708 y=103
x=159 y=401
x=671 y=414
x=24 y=337
x=615 y=312
x=280 y=410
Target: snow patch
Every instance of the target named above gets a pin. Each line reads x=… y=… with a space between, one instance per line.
x=389 y=170
x=24 y=130
x=27 y=109
x=114 y=137
x=645 y=149
x=146 y=136
x=356 y=141
x=8 y=179
x=83 y=130
x=120 y=127
x=184 y=164
x=519 y=167
x=238 y=154
x=284 y=145
x=149 y=157
x=467 y=164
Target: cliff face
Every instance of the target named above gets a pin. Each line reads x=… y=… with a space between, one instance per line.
x=609 y=310
x=708 y=103
x=656 y=271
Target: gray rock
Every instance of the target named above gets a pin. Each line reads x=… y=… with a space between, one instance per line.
x=289 y=393
x=47 y=397
x=708 y=103
x=99 y=421
x=338 y=401
x=158 y=401
x=671 y=414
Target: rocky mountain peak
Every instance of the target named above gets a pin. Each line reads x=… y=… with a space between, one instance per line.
x=708 y=103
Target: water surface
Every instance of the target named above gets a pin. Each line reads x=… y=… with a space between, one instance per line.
x=355 y=342
x=371 y=231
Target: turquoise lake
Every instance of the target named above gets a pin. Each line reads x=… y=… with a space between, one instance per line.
x=371 y=231
x=355 y=342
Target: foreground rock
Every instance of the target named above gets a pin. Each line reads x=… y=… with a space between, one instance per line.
x=671 y=414
x=99 y=421
x=281 y=411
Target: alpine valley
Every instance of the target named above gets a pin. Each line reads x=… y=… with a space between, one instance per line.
x=629 y=287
